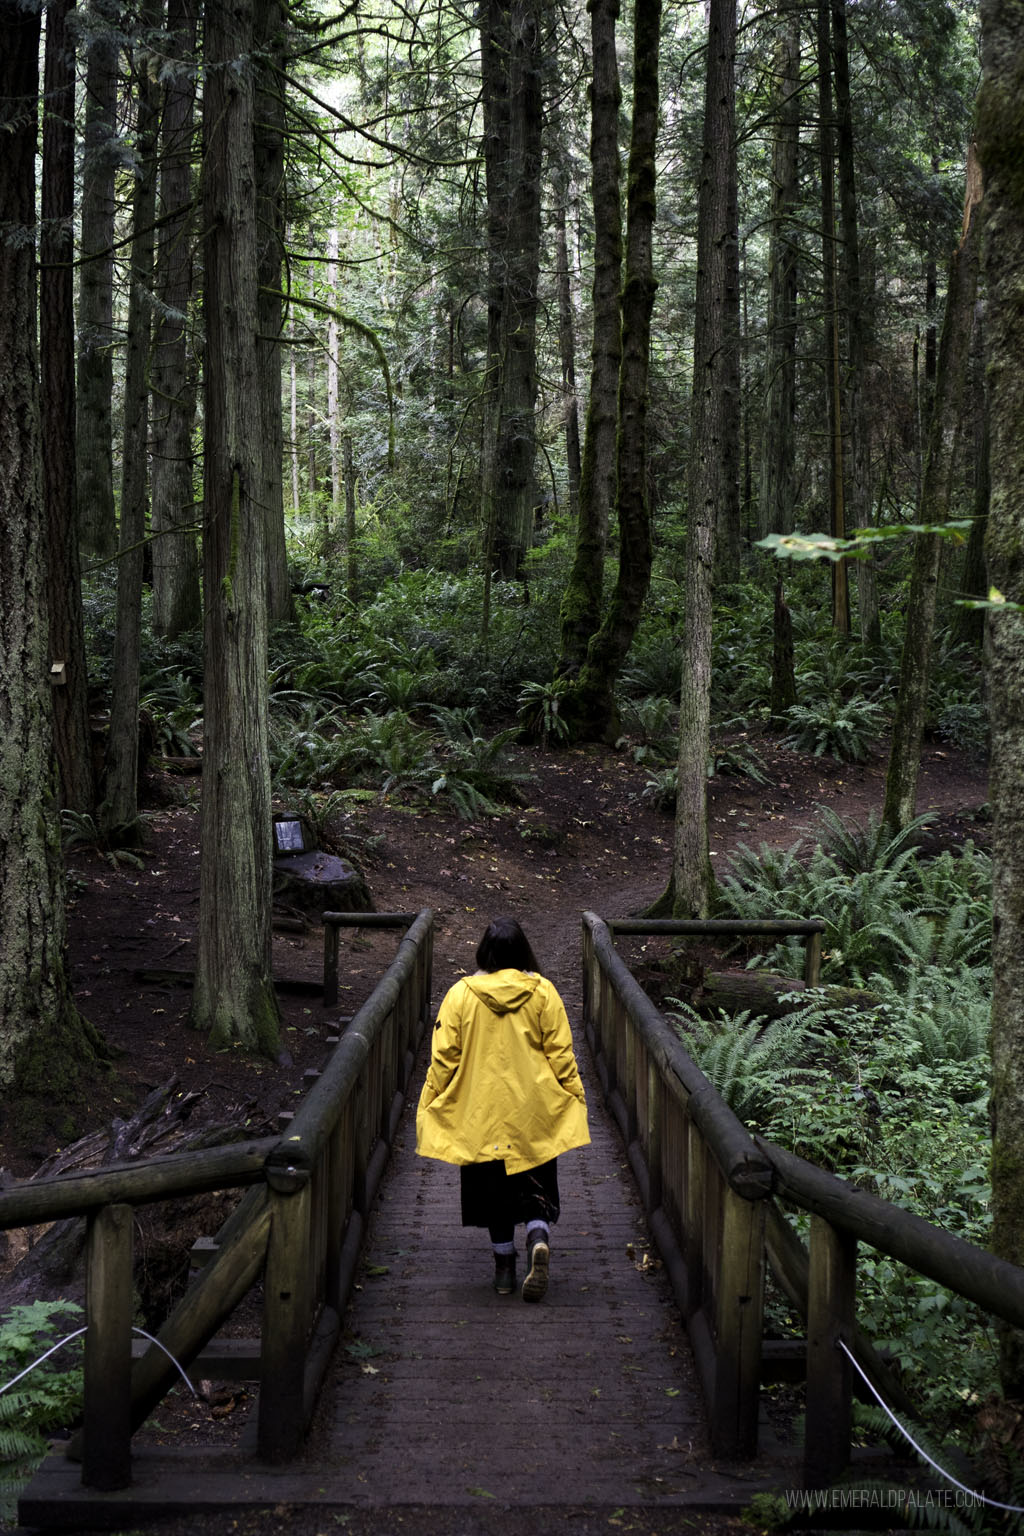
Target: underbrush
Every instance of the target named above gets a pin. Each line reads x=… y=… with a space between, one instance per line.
x=890 y=1092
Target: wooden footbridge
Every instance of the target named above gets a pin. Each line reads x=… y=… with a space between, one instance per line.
x=389 y=1372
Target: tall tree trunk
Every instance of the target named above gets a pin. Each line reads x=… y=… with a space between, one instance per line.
x=176 y=601
x=692 y=881
x=830 y=308
x=511 y=43
x=121 y=773
x=1001 y=150
x=567 y=348
x=779 y=445
x=718 y=365
x=234 y=995
x=969 y=623
x=97 y=519
x=590 y=706
x=351 y=571
x=270 y=186
x=331 y=522
x=57 y=361
x=44 y=1044
x=915 y=662
x=581 y=601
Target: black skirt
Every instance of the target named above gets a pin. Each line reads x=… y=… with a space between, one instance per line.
x=493 y=1198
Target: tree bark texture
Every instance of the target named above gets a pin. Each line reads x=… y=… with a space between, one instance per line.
x=591 y=706
x=830 y=309
x=270 y=183
x=581 y=601
x=857 y=448
x=57 y=374
x=1001 y=150
x=710 y=456
x=567 y=346
x=121 y=776
x=779 y=449
x=511 y=43
x=176 y=602
x=969 y=623
x=951 y=385
x=97 y=519
x=233 y=997
x=42 y=1040
x=716 y=353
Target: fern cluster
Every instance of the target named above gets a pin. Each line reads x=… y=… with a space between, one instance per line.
x=47 y=1399
x=887 y=911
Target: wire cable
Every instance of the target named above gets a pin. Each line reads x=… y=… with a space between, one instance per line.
x=981 y=1498
x=77 y=1335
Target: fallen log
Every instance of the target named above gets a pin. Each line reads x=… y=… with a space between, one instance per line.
x=766 y=994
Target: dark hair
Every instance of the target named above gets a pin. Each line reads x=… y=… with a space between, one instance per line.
x=505 y=947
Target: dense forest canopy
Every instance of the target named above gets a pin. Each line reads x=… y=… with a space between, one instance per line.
x=382 y=382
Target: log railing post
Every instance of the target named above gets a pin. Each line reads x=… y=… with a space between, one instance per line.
x=287 y=1311
x=812 y=960
x=653 y=1133
x=330 y=964
x=739 y=1311
x=629 y=1073
x=831 y=1293
x=106 y=1437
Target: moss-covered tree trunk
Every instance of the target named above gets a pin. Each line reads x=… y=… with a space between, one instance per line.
x=234 y=996
x=951 y=380
x=692 y=882
x=590 y=706
x=581 y=601
x=176 y=601
x=43 y=1042
x=1001 y=149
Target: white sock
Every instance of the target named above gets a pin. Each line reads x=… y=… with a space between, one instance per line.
x=503 y=1250
x=537 y=1232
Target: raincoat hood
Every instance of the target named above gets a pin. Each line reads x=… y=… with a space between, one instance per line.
x=503 y=991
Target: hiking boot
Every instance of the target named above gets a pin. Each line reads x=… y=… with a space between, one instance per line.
x=504 y=1273
x=536 y=1282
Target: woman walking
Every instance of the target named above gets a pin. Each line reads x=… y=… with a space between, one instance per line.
x=502 y=1099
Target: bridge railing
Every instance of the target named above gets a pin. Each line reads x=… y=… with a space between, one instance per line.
x=711 y=1192
x=300 y=1222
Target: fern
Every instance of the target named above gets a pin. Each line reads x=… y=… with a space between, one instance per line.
x=857 y=848
x=745 y=1057
x=48 y=1398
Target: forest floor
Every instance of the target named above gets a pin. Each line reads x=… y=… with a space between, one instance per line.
x=582 y=838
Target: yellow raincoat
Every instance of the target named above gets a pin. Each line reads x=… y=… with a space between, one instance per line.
x=503 y=1083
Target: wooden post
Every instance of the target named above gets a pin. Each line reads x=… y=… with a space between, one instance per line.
x=330 y=964
x=693 y=1216
x=831 y=1293
x=629 y=1072
x=655 y=1122
x=812 y=960
x=286 y=1323
x=739 y=1310
x=106 y=1438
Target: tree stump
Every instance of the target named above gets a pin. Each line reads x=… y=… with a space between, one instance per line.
x=317 y=882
